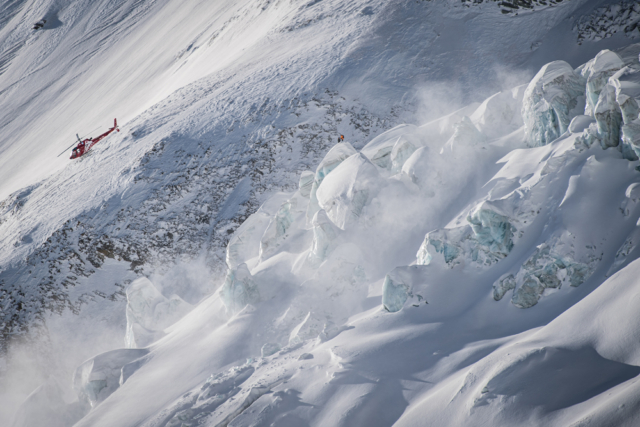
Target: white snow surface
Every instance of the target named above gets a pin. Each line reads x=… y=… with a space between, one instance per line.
x=466 y=257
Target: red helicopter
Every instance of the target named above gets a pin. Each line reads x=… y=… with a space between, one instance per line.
x=84 y=145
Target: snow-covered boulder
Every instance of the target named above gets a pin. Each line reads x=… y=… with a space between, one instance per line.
x=597 y=72
x=97 y=378
x=344 y=194
x=149 y=312
x=239 y=289
x=550 y=102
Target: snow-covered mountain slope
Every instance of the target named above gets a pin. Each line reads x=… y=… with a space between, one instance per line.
x=223 y=104
x=516 y=307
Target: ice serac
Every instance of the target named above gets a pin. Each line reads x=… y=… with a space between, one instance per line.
x=550 y=266
x=550 y=102
x=401 y=151
x=597 y=73
x=628 y=251
x=608 y=117
x=149 y=312
x=269 y=349
x=290 y=211
x=97 y=378
x=631 y=136
x=239 y=289
x=492 y=229
x=397 y=289
x=446 y=242
x=380 y=149
x=344 y=194
x=487 y=238
x=324 y=235
x=245 y=242
x=464 y=136
x=339 y=153
x=503 y=285
x=305 y=183
x=627 y=86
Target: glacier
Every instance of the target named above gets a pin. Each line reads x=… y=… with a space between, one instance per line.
x=224 y=262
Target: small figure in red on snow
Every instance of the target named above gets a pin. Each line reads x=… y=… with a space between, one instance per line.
x=341 y=138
